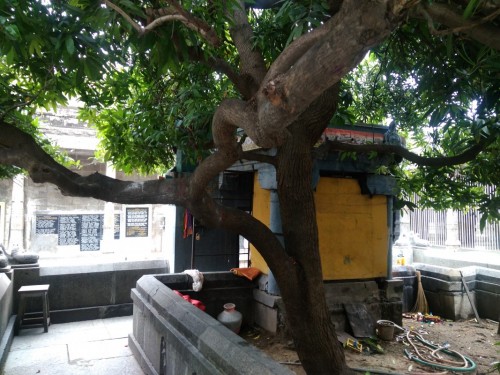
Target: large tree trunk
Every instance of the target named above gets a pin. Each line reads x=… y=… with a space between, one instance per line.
x=302 y=286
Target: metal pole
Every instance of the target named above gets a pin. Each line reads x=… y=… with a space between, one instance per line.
x=192 y=243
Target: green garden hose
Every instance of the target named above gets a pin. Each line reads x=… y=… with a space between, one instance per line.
x=468 y=364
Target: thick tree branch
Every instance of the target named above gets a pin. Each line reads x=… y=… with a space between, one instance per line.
x=435 y=162
x=244 y=84
x=214 y=215
x=231 y=114
x=251 y=61
x=295 y=50
x=478 y=30
x=358 y=26
x=301 y=45
x=19 y=149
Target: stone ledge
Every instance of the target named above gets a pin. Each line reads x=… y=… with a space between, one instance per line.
x=352 y=291
x=266 y=317
x=90 y=313
x=446 y=294
x=190 y=340
x=6 y=341
x=393 y=289
x=140 y=356
x=84 y=265
x=264 y=298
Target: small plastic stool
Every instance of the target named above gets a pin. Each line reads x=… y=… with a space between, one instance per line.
x=32 y=291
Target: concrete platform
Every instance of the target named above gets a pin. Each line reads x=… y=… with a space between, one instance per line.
x=91 y=347
x=440 y=256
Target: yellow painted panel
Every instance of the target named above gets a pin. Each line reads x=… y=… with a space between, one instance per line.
x=261 y=211
x=352 y=229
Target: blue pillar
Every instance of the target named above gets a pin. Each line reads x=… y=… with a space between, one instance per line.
x=390 y=229
x=275 y=226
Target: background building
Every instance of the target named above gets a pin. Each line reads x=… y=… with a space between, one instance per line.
x=39 y=218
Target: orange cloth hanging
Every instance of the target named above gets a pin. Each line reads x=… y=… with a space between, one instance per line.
x=250 y=273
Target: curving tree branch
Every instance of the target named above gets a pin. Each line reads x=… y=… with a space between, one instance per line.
x=295 y=50
x=334 y=51
x=251 y=60
x=159 y=18
x=19 y=148
x=124 y=14
x=435 y=162
x=479 y=29
x=213 y=214
x=230 y=115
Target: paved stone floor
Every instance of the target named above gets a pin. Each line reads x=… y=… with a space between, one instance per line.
x=92 y=347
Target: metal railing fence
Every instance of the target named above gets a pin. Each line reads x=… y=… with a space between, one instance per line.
x=432 y=226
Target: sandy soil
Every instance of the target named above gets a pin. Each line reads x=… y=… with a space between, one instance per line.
x=467 y=337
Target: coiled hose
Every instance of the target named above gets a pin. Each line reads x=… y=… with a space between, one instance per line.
x=432 y=357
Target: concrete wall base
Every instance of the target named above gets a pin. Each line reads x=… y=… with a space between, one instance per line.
x=6 y=341
x=82 y=293
x=447 y=297
x=173 y=337
x=7 y=320
x=91 y=313
x=141 y=356
x=382 y=300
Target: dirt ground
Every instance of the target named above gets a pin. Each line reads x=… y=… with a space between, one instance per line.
x=466 y=337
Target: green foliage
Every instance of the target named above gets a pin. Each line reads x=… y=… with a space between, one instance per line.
x=364 y=95
x=25 y=122
x=54 y=47
x=143 y=93
x=141 y=99
x=303 y=17
x=152 y=94
x=150 y=118
x=8 y=171
x=444 y=95
x=48 y=51
x=274 y=29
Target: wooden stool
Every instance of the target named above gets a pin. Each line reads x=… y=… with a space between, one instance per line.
x=30 y=291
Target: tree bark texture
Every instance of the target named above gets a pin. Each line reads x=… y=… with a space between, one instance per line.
x=286 y=107
x=310 y=321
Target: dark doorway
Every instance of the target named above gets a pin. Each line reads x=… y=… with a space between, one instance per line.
x=214 y=249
